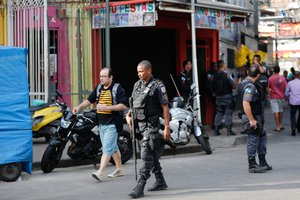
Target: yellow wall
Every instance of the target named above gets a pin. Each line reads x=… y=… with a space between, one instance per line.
x=3 y=23
x=1 y=27
x=86 y=52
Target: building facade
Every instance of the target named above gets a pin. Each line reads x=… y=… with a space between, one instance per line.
x=159 y=31
x=279 y=30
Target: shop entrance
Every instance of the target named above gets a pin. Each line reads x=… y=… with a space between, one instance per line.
x=129 y=46
x=202 y=64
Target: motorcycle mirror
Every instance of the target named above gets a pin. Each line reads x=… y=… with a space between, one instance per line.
x=59 y=93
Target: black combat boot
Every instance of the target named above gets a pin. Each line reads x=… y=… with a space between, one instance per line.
x=138 y=191
x=263 y=162
x=229 y=131
x=216 y=131
x=253 y=166
x=159 y=184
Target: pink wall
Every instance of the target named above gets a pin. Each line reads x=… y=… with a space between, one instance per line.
x=63 y=63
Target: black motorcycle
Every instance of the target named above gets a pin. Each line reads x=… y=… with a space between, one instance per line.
x=82 y=131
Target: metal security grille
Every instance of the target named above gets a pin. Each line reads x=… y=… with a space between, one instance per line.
x=28 y=27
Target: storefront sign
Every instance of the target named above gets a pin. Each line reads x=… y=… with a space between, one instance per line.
x=126 y=16
x=212 y=18
x=289 y=29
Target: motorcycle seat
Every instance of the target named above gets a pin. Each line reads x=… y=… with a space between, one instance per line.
x=35 y=108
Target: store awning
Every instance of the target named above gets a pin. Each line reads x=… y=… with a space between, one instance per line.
x=224 y=6
x=238 y=13
x=116 y=3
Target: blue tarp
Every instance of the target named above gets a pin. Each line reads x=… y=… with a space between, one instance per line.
x=15 y=119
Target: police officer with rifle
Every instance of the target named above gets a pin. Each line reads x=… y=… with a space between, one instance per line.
x=252 y=116
x=149 y=102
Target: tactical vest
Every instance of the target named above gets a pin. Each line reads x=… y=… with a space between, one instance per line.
x=262 y=82
x=145 y=103
x=256 y=104
x=221 y=84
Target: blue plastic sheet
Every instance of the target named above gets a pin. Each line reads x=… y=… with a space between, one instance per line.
x=15 y=119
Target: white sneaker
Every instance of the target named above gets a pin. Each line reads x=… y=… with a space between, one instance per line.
x=97 y=175
x=116 y=173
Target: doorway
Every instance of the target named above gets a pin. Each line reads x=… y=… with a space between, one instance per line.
x=202 y=60
x=129 y=46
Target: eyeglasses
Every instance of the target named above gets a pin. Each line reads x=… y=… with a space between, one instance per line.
x=103 y=76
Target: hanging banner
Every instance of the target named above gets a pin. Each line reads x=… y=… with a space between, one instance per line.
x=126 y=16
x=212 y=18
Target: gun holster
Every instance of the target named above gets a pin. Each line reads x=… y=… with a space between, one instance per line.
x=251 y=131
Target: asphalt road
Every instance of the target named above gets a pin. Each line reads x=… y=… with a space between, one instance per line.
x=222 y=175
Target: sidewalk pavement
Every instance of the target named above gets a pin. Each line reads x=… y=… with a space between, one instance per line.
x=222 y=141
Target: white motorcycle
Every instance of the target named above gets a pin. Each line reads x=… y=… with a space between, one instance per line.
x=184 y=123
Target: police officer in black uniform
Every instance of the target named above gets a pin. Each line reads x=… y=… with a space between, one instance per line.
x=186 y=79
x=150 y=101
x=222 y=85
x=252 y=116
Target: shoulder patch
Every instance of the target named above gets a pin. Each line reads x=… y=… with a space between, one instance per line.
x=163 y=89
x=248 y=90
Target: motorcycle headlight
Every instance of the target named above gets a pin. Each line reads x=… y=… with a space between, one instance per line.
x=64 y=123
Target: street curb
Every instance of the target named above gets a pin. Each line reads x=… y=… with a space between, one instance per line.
x=192 y=147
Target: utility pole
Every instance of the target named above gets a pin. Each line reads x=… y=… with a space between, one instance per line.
x=107 y=35
x=80 y=98
x=276 y=43
x=194 y=56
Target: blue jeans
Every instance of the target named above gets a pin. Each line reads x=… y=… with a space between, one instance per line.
x=109 y=138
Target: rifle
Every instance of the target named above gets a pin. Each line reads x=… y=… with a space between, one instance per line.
x=132 y=130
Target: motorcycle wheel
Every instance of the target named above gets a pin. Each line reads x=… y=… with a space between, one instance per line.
x=125 y=146
x=204 y=143
x=51 y=158
x=10 y=172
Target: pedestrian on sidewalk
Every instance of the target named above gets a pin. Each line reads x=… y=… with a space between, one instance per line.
x=277 y=85
x=150 y=101
x=292 y=93
x=285 y=75
x=291 y=75
x=222 y=85
x=111 y=99
x=253 y=119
